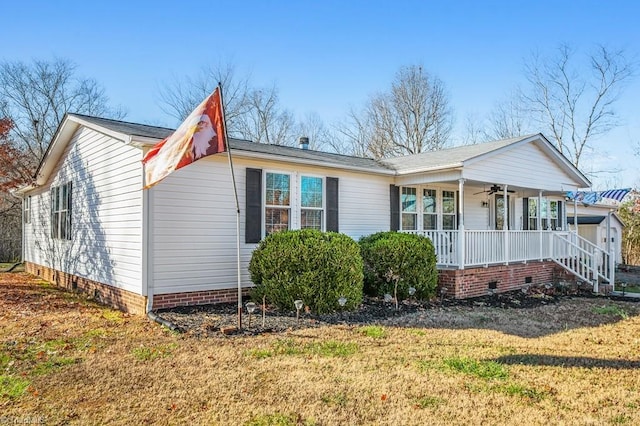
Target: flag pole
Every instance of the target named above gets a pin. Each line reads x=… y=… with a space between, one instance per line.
x=235 y=193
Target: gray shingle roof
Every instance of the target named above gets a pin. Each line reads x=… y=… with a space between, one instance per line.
x=319 y=157
x=447 y=157
x=124 y=127
x=424 y=161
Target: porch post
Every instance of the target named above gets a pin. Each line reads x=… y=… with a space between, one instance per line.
x=539 y=222
x=505 y=225
x=461 y=237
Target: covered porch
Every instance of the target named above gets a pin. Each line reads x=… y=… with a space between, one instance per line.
x=493 y=231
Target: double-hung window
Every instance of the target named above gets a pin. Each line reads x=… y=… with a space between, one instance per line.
x=449 y=213
x=533 y=214
x=429 y=209
x=311 y=203
x=550 y=214
x=61 y=211
x=27 y=209
x=277 y=202
x=409 y=209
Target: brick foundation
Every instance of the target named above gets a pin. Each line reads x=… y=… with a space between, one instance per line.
x=171 y=300
x=112 y=296
x=474 y=282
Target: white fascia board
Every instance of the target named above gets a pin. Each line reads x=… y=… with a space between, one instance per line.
x=116 y=135
x=453 y=166
x=262 y=156
x=142 y=141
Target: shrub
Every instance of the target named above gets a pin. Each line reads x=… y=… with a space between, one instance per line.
x=389 y=256
x=316 y=267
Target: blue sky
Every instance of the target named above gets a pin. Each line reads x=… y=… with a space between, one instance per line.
x=326 y=56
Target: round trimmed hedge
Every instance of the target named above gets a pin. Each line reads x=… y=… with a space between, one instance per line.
x=316 y=267
x=409 y=258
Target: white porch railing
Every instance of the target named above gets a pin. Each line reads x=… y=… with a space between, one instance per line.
x=574 y=253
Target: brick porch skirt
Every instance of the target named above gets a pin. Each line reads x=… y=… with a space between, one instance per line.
x=477 y=281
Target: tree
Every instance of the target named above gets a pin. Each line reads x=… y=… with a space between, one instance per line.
x=251 y=113
x=265 y=121
x=179 y=98
x=15 y=171
x=630 y=214
x=576 y=106
x=36 y=95
x=413 y=116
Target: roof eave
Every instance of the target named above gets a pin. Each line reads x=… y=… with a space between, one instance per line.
x=276 y=157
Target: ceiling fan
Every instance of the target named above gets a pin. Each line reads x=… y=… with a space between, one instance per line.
x=493 y=190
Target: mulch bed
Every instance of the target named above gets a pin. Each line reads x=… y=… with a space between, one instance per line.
x=209 y=320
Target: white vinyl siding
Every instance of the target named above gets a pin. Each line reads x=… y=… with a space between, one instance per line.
x=193 y=219
x=524 y=165
x=105 y=242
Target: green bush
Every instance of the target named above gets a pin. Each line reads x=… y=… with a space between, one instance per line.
x=408 y=258
x=316 y=267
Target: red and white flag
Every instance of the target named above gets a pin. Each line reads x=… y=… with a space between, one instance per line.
x=202 y=133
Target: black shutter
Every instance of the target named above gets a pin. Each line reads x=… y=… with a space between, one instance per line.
x=560 y=216
x=394 y=198
x=332 y=204
x=525 y=214
x=253 y=205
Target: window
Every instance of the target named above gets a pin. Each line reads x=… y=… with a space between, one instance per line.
x=449 y=210
x=27 y=209
x=500 y=212
x=550 y=214
x=533 y=214
x=429 y=211
x=277 y=202
x=61 y=211
x=311 y=203
x=408 y=200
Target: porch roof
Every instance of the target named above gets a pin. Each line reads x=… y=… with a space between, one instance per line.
x=448 y=158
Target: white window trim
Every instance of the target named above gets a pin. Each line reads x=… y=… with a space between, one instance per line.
x=58 y=189
x=439 y=206
x=299 y=206
x=26 y=211
x=292 y=191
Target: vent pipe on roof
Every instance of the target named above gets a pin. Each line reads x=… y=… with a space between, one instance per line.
x=304 y=143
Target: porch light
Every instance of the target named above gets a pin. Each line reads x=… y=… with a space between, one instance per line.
x=298 y=304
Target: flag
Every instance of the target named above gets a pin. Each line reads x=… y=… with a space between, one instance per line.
x=201 y=134
x=615 y=194
x=585 y=197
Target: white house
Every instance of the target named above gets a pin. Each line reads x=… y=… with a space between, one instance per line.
x=598 y=224
x=495 y=212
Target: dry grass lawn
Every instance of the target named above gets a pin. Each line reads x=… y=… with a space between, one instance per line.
x=67 y=360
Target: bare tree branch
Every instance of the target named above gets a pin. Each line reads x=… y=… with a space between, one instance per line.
x=414 y=116
x=576 y=107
